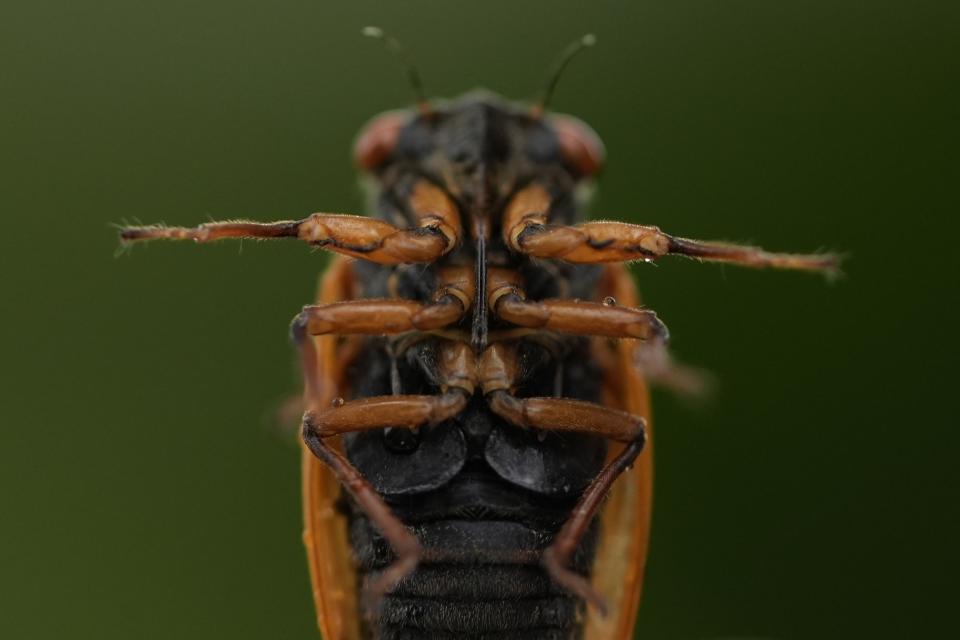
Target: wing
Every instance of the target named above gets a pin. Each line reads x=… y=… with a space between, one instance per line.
x=332 y=574
x=625 y=526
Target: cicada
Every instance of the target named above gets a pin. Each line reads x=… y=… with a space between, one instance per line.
x=477 y=438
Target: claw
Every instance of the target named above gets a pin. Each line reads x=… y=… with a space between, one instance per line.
x=388 y=579
x=572 y=582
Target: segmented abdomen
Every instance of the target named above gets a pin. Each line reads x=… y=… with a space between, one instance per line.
x=483 y=581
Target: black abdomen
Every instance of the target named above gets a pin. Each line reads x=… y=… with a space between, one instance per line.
x=481 y=577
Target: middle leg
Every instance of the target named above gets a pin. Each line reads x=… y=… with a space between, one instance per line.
x=608 y=319
x=451 y=300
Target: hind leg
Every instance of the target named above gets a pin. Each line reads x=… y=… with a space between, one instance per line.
x=364 y=414
x=404 y=544
x=556 y=557
x=498 y=376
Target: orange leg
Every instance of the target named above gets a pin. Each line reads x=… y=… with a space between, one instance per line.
x=317 y=426
x=565 y=414
x=452 y=300
x=377 y=317
x=556 y=557
x=457 y=374
x=404 y=544
x=507 y=300
x=611 y=321
x=604 y=320
x=365 y=414
x=438 y=231
x=581 y=318
x=498 y=376
x=526 y=230
x=376 y=413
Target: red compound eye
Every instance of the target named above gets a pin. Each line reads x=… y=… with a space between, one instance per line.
x=378 y=138
x=580 y=145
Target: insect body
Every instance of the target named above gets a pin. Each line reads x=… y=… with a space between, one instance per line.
x=474 y=383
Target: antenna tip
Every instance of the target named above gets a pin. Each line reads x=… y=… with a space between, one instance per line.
x=372 y=32
x=588 y=40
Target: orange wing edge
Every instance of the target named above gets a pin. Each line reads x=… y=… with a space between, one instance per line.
x=625 y=521
x=332 y=573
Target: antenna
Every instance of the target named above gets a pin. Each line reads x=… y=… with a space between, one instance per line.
x=403 y=56
x=568 y=54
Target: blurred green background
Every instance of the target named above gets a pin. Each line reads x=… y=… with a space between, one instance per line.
x=146 y=492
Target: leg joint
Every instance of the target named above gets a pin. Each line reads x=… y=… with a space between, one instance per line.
x=298 y=327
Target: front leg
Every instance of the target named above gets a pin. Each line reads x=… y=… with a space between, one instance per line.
x=437 y=231
x=526 y=229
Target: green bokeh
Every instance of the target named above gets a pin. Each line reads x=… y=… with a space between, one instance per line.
x=145 y=493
